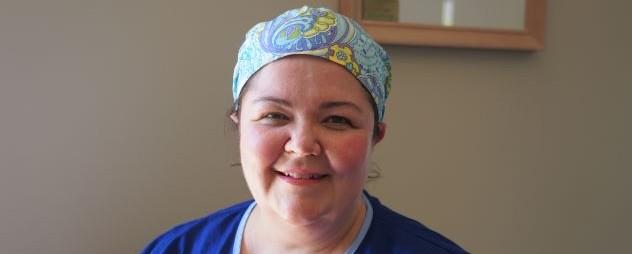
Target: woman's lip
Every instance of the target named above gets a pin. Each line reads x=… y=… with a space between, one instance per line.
x=302 y=174
x=296 y=178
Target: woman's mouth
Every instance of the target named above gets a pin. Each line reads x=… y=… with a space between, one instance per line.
x=299 y=178
x=303 y=176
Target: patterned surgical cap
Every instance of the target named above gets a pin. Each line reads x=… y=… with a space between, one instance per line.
x=318 y=32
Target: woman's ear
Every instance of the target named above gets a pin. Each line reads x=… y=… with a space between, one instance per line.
x=381 y=131
x=235 y=118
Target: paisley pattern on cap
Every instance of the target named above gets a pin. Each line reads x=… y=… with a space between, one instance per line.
x=322 y=33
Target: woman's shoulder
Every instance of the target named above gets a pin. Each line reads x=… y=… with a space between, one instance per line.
x=213 y=233
x=396 y=233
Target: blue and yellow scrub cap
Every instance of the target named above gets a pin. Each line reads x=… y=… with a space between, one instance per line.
x=318 y=32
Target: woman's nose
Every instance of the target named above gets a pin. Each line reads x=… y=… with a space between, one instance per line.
x=303 y=141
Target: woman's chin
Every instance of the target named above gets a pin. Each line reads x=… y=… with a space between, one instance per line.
x=300 y=212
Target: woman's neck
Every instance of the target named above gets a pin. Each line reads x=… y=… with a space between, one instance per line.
x=266 y=232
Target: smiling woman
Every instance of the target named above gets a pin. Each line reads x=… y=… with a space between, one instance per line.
x=307 y=150
x=309 y=91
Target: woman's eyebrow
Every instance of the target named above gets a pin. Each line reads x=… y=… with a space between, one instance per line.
x=335 y=104
x=273 y=100
x=325 y=105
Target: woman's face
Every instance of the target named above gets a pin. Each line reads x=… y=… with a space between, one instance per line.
x=306 y=135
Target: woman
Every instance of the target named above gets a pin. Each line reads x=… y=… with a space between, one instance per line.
x=309 y=91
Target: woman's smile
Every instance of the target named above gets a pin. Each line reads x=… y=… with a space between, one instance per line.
x=302 y=172
x=302 y=179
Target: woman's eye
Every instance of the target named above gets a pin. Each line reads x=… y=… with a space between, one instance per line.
x=338 y=120
x=275 y=116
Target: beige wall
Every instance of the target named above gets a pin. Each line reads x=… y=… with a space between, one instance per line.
x=112 y=128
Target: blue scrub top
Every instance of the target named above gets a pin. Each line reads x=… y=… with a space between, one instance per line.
x=388 y=232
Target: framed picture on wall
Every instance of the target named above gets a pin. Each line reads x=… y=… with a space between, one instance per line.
x=490 y=24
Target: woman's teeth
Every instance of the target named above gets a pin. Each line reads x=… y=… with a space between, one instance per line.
x=302 y=176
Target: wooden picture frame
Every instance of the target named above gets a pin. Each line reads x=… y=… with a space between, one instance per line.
x=395 y=33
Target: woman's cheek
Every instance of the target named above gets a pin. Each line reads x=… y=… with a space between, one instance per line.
x=261 y=144
x=350 y=153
